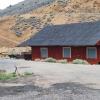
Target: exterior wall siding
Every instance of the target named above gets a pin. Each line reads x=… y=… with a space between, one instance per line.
x=57 y=53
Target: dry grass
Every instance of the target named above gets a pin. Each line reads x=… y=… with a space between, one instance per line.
x=55 y=13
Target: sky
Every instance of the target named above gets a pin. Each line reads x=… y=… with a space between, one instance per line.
x=6 y=3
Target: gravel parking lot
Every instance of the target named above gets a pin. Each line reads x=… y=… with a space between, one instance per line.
x=51 y=81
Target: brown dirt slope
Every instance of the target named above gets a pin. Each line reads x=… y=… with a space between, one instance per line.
x=59 y=12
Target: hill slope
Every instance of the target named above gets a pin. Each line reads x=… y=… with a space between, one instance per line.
x=20 y=27
x=24 y=7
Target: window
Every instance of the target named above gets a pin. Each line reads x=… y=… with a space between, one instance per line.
x=67 y=52
x=44 y=52
x=91 y=52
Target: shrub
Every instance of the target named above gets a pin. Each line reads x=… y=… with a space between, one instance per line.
x=5 y=76
x=62 y=61
x=14 y=74
x=52 y=60
x=27 y=73
x=79 y=61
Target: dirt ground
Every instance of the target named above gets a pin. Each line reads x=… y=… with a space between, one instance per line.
x=51 y=81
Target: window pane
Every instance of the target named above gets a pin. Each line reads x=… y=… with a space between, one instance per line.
x=91 y=53
x=66 y=52
x=44 y=52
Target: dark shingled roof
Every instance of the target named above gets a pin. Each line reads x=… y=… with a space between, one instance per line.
x=77 y=34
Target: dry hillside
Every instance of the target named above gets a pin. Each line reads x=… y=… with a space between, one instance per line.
x=17 y=28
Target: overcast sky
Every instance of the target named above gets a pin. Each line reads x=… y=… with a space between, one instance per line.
x=6 y=3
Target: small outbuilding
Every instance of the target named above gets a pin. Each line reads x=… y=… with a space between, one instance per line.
x=68 y=41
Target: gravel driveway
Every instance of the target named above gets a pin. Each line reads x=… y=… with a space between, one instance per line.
x=51 y=81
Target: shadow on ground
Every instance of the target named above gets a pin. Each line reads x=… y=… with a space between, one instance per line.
x=75 y=91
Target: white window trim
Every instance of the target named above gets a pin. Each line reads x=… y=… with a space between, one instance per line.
x=87 y=52
x=47 y=52
x=70 y=52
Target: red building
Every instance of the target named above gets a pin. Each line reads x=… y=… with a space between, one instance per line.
x=69 y=41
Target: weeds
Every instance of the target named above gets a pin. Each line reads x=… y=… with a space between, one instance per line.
x=7 y=76
x=27 y=73
x=12 y=76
